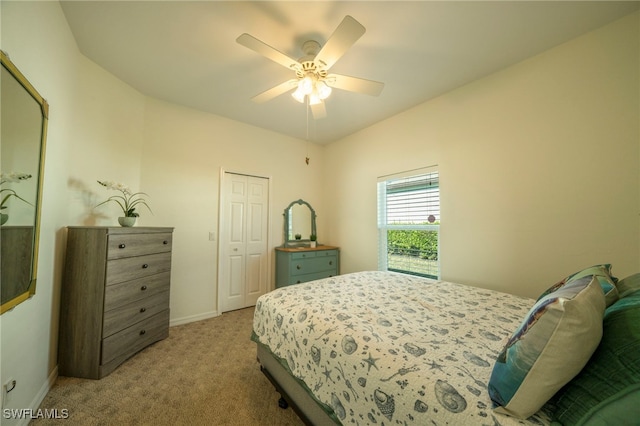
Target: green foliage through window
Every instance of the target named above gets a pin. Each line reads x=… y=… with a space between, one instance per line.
x=422 y=244
x=413 y=252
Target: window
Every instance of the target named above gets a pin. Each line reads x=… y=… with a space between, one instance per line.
x=409 y=223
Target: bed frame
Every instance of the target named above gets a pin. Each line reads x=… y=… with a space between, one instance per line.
x=291 y=392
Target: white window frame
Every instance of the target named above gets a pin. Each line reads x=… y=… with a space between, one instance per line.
x=383 y=221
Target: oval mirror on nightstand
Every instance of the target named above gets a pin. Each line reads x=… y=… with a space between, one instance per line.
x=299 y=220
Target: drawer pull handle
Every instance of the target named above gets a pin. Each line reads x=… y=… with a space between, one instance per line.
x=297 y=266
x=142 y=310
x=143 y=288
x=298 y=282
x=142 y=332
x=331 y=262
x=165 y=242
x=122 y=245
x=145 y=266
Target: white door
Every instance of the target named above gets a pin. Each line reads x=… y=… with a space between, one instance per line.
x=243 y=241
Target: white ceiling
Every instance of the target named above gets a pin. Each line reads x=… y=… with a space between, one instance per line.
x=185 y=52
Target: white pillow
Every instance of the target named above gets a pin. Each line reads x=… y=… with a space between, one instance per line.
x=551 y=346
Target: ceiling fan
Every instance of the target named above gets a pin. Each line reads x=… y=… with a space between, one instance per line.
x=313 y=82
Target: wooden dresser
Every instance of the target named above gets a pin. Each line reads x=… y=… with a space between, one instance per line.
x=16 y=247
x=295 y=265
x=115 y=297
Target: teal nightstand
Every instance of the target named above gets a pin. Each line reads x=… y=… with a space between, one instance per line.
x=298 y=265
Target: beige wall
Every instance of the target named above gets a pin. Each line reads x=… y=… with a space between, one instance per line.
x=539 y=168
x=181 y=162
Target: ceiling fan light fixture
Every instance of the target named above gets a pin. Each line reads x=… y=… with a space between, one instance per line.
x=298 y=95
x=323 y=90
x=314 y=99
x=306 y=85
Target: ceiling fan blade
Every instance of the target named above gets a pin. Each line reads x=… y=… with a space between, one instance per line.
x=275 y=91
x=267 y=51
x=318 y=110
x=347 y=33
x=354 y=84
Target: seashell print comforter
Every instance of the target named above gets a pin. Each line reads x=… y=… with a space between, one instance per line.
x=386 y=348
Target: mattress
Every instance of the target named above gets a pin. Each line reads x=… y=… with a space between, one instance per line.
x=380 y=347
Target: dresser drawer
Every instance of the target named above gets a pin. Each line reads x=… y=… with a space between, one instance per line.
x=133 y=338
x=128 y=245
x=127 y=315
x=314 y=264
x=131 y=268
x=117 y=295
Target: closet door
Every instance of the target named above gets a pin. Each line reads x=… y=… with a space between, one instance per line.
x=243 y=236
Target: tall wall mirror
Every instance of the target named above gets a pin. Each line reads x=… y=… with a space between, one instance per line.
x=23 y=132
x=299 y=224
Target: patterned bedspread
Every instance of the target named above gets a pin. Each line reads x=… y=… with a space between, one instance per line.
x=385 y=348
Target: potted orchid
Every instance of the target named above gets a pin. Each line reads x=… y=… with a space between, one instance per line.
x=127 y=200
x=7 y=193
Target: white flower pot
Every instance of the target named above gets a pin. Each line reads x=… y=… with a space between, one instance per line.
x=127 y=221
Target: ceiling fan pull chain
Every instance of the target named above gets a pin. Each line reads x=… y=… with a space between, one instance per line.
x=307 y=112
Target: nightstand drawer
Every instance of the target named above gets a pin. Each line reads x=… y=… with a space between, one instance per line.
x=131 y=268
x=321 y=253
x=317 y=264
x=128 y=245
x=121 y=294
x=297 y=279
x=303 y=255
x=132 y=339
x=127 y=315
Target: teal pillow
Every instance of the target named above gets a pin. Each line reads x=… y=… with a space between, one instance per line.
x=607 y=390
x=602 y=273
x=628 y=285
x=553 y=343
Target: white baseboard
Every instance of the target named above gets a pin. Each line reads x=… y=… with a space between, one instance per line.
x=46 y=387
x=37 y=400
x=193 y=318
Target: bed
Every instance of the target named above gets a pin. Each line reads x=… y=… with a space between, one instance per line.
x=381 y=348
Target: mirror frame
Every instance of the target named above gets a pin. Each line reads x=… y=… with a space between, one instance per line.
x=301 y=242
x=44 y=108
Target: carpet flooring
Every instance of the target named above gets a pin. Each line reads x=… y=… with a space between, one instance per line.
x=204 y=373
